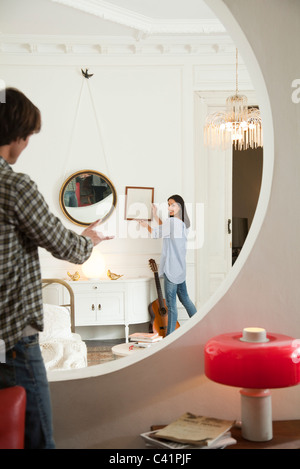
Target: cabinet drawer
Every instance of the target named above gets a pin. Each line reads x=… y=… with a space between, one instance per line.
x=89 y=288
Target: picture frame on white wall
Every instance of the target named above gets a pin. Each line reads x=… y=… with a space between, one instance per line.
x=138 y=203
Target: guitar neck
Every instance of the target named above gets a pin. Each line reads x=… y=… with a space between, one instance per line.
x=159 y=291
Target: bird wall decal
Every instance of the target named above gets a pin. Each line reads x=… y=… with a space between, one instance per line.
x=86 y=74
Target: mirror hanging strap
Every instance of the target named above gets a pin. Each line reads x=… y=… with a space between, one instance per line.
x=85 y=78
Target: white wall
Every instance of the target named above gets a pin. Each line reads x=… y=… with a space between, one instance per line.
x=133 y=121
x=128 y=122
x=111 y=408
x=135 y=137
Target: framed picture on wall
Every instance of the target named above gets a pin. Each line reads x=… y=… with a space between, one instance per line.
x=138 y=203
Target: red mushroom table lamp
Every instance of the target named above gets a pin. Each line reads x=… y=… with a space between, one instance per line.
x=256 y=362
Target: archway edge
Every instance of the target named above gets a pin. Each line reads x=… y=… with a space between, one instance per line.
x=110 y=411
x=223 y=12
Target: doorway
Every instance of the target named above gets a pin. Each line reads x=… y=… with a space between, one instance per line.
x=247 y=166
x=228 y=185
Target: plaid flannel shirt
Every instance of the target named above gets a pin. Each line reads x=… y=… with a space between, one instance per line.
x=26 y=224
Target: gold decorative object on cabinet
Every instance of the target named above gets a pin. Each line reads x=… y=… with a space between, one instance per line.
x=75 y=276
x=113 y=276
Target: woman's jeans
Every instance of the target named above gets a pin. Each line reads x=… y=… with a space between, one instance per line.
x=25 y=367
x=171 y=290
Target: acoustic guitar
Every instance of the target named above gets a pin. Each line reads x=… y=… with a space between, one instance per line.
x=158 y=309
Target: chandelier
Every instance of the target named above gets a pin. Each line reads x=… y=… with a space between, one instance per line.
x=239 y=125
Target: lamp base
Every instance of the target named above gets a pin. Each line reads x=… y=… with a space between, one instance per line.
x=256 y=414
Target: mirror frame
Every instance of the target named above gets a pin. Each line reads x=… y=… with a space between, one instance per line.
x=65 y=184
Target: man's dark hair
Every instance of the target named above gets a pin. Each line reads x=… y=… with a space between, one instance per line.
x=19 y=117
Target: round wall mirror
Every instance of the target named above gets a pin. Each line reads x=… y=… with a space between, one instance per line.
x=87 y=196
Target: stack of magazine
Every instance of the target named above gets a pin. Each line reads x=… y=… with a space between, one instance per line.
x=191 y=431
x=144 y=339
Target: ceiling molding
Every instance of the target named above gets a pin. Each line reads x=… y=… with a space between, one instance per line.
x=144 y=25
x=208 y=46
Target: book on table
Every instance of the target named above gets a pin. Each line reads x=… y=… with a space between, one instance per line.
x=194 y=431
x=220 y=443
x=149 y=337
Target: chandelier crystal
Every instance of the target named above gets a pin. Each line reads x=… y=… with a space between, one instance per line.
x=238 y=125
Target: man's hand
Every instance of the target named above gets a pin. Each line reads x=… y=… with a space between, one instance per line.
x=95 y=235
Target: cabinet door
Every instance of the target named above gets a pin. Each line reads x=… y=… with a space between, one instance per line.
x=85 y=310
x=100 y=309
x=110 y=308
x=138 y=302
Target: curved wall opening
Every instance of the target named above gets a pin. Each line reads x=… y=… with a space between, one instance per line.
x=231 y=25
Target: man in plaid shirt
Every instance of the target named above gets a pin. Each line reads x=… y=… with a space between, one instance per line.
x=26 y=224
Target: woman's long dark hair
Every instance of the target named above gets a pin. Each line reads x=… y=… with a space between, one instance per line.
x=184 y=216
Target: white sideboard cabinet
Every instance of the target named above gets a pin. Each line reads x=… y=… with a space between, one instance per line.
x=111 y=302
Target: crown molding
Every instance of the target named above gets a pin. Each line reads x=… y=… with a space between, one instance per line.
x=207 y=46
x=144 y=25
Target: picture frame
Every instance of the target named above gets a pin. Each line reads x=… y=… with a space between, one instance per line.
x=138 y=203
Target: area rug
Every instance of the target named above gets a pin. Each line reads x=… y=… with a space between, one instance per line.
x=99 y=354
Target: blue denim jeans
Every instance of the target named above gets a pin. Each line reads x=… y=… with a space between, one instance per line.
x=25 y=367
x=171 y=290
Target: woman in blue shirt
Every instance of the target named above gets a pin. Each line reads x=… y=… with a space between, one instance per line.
x=173 y=263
